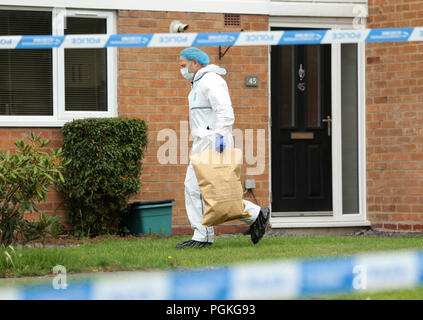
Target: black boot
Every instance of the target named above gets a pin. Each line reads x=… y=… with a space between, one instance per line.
x=193 y=243
x=258 y=228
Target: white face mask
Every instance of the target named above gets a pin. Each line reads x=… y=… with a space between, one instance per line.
x=187 y=75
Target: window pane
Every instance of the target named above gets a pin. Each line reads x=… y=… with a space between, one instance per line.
x=286 y=88
x=349 y=98
x=313 y=87
x=85 y=69
x=26 y=86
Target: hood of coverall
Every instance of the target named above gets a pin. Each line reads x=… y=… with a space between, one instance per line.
x=209 y=68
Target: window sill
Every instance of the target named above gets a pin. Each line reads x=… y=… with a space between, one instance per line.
x=33 y=123
x=52 y=121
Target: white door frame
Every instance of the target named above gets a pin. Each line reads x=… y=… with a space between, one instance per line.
x=337 y=219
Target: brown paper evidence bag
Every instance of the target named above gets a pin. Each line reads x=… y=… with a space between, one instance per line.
x=219 y=179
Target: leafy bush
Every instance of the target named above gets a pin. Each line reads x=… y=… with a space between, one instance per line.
x=38 y=228
x=105 y=164
x=24 y=180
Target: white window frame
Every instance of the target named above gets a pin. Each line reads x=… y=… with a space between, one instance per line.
x=60 y=116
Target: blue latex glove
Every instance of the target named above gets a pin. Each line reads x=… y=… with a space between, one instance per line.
x=220 y=144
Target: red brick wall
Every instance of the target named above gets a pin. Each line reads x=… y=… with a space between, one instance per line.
x=394 y=82
x=150 y=87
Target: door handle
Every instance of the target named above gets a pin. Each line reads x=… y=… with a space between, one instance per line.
x=329 y=122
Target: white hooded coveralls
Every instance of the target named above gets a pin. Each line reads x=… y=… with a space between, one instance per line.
x=210 y=113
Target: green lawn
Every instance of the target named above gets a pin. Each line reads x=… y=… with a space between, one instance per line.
x=408 y=294
x=117 y=254
x=149 y=253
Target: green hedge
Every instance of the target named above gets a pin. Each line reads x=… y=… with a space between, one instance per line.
x=104 y=169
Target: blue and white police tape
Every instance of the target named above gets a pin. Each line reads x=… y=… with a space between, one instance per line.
x=290 y=279
x=212 y=39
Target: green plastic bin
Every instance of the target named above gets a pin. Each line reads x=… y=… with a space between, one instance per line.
x=150 y=217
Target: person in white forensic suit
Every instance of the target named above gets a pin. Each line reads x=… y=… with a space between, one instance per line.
x=211 y=118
